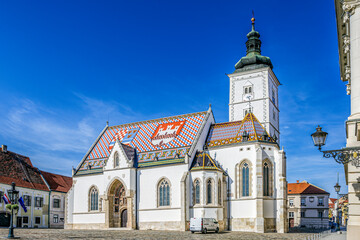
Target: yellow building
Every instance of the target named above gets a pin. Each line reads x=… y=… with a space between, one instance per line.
x=31 y=186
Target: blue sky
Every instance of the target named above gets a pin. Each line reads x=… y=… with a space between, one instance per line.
x=66 y=67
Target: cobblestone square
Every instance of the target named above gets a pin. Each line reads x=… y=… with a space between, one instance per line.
x=146 y=234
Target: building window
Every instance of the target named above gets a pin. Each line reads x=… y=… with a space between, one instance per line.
x=164 y=193
x=302 y=214
x=303 y=202
x=197 y=191
x=273 y=95
x=1 y=195
x=27 y=200
x=94 y=199
x=56 y=203
x=321 y=202
x=291 y=214
x=209 y=186
x=37 y=220
x=311 y=199
x=38 y=201
x=248 y=89
x=56 y=218
x=219 y=192
x=116 y=159
x=274 y=115
x=291 y=202
x=245 y=180
x=320 y=214
x=266 y=179
x=25 y=219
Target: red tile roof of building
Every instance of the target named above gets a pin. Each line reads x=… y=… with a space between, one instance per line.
x=57 y=182
x=304 y=188
x=19 y=169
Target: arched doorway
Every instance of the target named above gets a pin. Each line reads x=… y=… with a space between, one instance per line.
x=117 y=205
x=124 y=218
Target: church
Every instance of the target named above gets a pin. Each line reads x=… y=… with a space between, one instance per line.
x=157 y=174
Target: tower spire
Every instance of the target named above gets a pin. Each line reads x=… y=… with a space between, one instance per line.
x=253 y=21
x=253 y=58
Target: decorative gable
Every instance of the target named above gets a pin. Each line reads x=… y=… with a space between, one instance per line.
x=121 y=156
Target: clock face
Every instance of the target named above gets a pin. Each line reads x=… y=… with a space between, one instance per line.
x=247 y=97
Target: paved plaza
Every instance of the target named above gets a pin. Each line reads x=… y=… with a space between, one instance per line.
x=148 y=234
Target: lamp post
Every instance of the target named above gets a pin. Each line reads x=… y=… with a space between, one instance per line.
x=337 y=190
x=13 y=194
x=343 y=156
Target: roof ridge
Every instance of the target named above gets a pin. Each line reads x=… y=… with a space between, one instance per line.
x=156 y=119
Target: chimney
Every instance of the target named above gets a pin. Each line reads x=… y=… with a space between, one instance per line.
x=297 y=181
x=4 y=148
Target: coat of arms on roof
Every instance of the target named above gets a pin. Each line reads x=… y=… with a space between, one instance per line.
x=166 y=132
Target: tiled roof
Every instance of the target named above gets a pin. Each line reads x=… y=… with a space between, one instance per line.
x=249 y=129
x=304 y=188
x=129 y=151
x=17 y=168
x=57 y=182
x=158 y=139
x=203 y=161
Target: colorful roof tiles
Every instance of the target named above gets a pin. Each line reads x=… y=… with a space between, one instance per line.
x=249 y=129
x=203 y=161
x=158 y=139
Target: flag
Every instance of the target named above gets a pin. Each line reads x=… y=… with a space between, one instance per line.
x=21 y=201
x=7 y=199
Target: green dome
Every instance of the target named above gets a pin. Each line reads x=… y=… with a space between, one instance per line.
x=253 y=58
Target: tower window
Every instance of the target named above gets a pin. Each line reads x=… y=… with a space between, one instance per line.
x=273 y=95
x=248 y=89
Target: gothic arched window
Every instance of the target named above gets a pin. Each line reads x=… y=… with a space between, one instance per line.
x=197 y=191
x=116 y=159
x=209 y=186
x=219 y=192
x=94 y=199
x=164 y=193
x=267 y=179
x=245 y=180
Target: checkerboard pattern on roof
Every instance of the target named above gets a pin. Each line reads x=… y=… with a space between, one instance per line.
x=142 y=140
x=223 y=134
x=227 y=130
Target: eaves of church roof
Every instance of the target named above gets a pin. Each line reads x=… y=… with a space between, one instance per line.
x=247 y=130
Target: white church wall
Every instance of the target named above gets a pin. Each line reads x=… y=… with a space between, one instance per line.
x=243 y=208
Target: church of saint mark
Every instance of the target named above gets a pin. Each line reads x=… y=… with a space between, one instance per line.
x=157 y=174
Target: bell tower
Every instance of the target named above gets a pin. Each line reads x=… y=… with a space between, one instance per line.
x=254 y=86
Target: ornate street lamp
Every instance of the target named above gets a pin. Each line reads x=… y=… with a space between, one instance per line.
x=319 y=137
x=337 y=190
x=13 y=194
x=343 y=156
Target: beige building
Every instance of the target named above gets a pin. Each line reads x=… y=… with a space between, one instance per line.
x=59 y=185
x=308 y=205
x=348 y=27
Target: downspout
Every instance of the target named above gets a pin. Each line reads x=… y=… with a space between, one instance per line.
x=228 y=195
x=49 y=196
x=49 y=209
x=136 y=199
